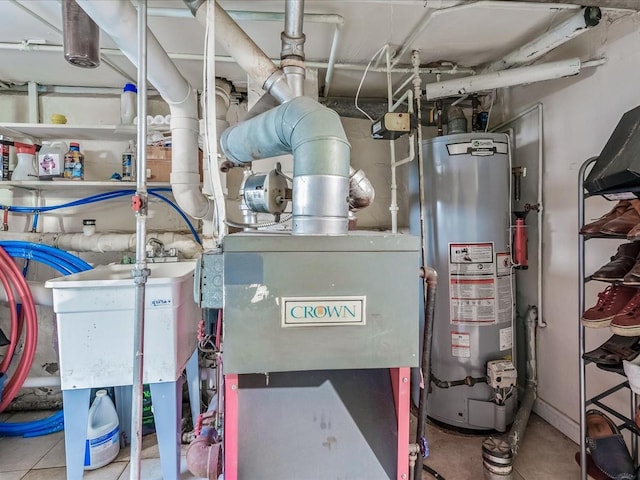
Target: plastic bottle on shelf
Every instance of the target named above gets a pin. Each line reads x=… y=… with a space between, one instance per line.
x=51 y=160
x=129 y=162
x=26 y=167
x=103 y=433
x=128 y=104
x=74 y=162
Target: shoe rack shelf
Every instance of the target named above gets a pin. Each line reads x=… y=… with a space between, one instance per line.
x=626 y=422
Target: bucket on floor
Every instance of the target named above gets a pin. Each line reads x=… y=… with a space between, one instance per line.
x=103 y=433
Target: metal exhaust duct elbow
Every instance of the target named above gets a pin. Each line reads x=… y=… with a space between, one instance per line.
x=321 y=154
x=361 y=191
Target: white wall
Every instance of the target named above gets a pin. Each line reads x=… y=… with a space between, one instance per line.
x=579 y=115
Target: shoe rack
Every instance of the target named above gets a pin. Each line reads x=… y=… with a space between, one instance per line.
x=626 y=422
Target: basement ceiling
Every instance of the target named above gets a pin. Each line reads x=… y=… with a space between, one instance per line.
x=477 y=34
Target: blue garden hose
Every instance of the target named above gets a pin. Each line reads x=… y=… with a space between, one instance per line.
x=64 y=263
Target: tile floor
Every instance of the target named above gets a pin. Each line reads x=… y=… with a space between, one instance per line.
x=545 y=455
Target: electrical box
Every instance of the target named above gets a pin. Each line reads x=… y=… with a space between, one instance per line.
x=393 y=125
x=501 y=374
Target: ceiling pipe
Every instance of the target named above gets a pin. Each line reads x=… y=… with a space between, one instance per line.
x=616 y=4
x=292 y=53
x=118 y=20
x=247 y=54
x=573 y=26
x=408 y=43
x=243 y=15
x=446 y=69
x=507 y=78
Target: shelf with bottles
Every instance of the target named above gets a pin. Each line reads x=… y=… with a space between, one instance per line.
x=46 y=131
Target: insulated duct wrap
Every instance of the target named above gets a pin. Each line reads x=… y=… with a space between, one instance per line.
x=321 y=154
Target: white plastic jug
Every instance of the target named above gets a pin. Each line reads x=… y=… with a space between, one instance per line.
x=26 y=167
x=51 y=159
x=103 y=433
x=128 y=104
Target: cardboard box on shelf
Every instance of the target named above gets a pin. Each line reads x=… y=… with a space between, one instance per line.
x=159 y=163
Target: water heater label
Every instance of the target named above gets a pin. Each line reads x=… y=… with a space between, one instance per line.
x=323 y=311
x=506 y=338
x=472 y=283
x=461 y=344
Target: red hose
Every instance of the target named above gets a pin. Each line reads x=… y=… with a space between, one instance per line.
x=11 y=275
x=15 y=329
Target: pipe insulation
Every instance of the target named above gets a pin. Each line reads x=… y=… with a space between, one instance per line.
x=246 y=53
x=321 y=152
x=506 y=78
x=573 y=26
x=118 y=20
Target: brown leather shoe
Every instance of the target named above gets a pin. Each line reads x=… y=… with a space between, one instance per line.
x=622 y=224
x=621 y=263
x=634 y=233
x=611 y=301
x=633 y=277
x=594 y=227
x=627 y=322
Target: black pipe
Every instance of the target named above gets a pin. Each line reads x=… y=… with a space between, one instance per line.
x=468 y=381
x=432 y=472
x=430 y=284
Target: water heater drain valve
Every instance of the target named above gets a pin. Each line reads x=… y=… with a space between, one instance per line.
x=501 y=374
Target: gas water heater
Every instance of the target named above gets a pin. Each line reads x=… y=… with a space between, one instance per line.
x=467 y=223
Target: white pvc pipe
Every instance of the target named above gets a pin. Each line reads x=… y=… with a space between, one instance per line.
x=507 y=78
x=107 y=242
x=118 y=20
x=331 y=63
x=247 y=15
x=42 y=382
x=356 y=67
x=211 y=137
x=246 y=53
x=407 y=44
x=500 y=128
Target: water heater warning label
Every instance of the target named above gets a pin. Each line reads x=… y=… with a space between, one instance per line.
x=475 y=284
x=461 y=344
